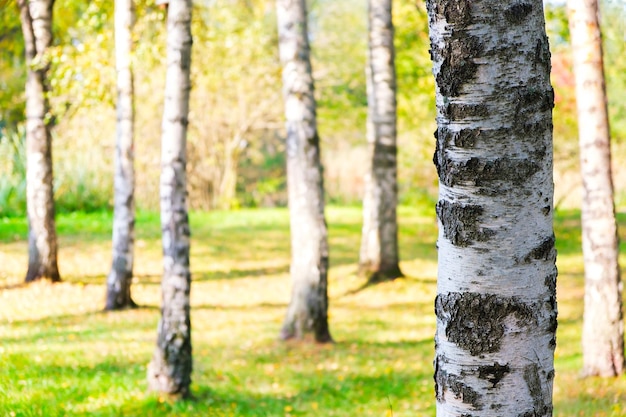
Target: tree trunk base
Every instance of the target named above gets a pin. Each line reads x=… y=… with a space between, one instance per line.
x=113 y=306
x=288 y=335
x=32 y=276
x=159 y=380
x=380 y=275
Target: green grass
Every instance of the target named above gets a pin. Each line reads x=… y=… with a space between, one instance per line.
x=60 y=355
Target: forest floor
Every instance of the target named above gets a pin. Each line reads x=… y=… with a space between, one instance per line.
x=61 y=355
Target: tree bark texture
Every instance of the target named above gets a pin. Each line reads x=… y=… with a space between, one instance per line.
x=36 y=18
x=170 y=369
x=308 y=309
x=496 y=293
x=379 y=258
x=603 y=325
x=121 y=274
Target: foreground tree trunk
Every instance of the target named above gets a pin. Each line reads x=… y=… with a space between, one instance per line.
x=603 y=325
x=170 y=369
x=308 y=309
x=36 y=18
x=496 y=291
x=379 y=243
x=121 y=274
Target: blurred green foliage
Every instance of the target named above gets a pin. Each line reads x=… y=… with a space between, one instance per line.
x=236 y=120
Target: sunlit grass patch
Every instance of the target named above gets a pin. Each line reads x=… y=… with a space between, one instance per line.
x=62 y=355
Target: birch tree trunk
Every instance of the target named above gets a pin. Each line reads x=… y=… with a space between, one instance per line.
x=36 y=18
x=308 y=309
x=170 y=369
x=603 y=325
x=121 y=274
x=496 y=291
x=379 y=243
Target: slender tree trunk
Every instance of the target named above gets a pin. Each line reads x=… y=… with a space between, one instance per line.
x=36 y=17
x=379 y=258
x=603 y=324
x=121 y=274
x=228 y=183
x=308 y=309
x=170 y=369
x=496 y=292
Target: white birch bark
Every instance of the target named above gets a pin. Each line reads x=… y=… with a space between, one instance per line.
x=308 y=309
x=170 y=369
x=121 y=274
x=379 y=258
x=603 y=325
x=496 y=291
x=36 y=18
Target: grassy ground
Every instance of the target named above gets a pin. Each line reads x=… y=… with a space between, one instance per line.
x=61 y=355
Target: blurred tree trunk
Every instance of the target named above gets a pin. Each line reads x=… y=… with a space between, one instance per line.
x=308 y=309
x=379 y=243
x=36 y=18
x=603 y=325
x=496 y=292
x=170 y=369
x=121 y=274
x=227 y=192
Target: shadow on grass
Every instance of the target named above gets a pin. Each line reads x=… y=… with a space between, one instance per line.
x=53 y=322
x=154 y=279
x=233 y=274
x=117 y=386
x=13 y=286
x=245 y=307
x=371 y=284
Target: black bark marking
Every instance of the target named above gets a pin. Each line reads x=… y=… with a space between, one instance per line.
x=464 y=138
x=438 y=157
x=542 y=53
x=534 y=129
x=504 y=169
x=481 y=172
x=552 y=322
x=450 y=382
x=439 y=376
x=458 y=13
x=545 y=251
x=464 y=392
x=530 y=101
x=459 y=112
x=539 y=153
x=541 y=405
x=493 y=373
x=385 y=155
x=460 y=223
x=518 y=12
x=475 y=322
x=550 y=283
x=457 y=67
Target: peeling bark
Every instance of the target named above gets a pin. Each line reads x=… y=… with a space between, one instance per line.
x=121 y=274
x=496 y=291
x=603 y=324
x=379 y=258
x=36 y=18
x=170 y=369
x=308 y=309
